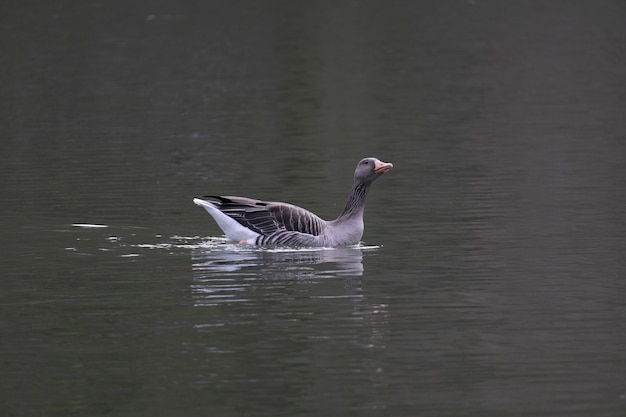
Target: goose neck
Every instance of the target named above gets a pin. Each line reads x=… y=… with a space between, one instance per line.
x=356 y=200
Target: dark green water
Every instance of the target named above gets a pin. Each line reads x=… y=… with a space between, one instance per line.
x=490 y=281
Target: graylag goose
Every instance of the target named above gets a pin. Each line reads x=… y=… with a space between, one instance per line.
x=257 y=222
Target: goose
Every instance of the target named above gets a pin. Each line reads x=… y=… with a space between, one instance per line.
x=257 y=222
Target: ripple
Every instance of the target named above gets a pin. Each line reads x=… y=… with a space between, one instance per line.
x=89 y=225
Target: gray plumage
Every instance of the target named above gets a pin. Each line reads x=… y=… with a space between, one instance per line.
x=273 y=223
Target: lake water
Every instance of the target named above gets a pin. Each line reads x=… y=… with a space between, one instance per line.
x=491 y=276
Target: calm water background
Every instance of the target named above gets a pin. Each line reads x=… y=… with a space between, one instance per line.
x=491 y=279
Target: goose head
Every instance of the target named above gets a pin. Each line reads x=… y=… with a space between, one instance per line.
x=368 y=169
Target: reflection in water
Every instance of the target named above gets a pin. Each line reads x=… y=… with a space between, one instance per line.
x=260 y=277
x=229 y=258
x=280 y=314
x=225 y=272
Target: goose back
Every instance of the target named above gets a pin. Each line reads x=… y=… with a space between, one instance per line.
x=267 y=217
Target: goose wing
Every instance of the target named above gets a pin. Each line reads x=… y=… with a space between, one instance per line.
x=266 y=218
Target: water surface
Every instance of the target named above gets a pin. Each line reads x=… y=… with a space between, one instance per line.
x=490 y=279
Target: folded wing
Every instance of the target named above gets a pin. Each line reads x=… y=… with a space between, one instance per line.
x=267 y=218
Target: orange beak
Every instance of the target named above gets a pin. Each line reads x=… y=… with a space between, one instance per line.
x=382 y=167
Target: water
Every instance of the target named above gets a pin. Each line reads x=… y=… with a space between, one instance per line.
x=490 y=276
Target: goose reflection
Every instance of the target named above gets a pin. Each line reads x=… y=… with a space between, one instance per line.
x=289 y=285
x=225 y=272
x=235 y=258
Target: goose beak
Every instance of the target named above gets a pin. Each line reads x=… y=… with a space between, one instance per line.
x=381 y=167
